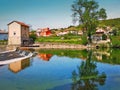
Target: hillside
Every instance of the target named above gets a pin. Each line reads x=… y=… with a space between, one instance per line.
x=111 y=22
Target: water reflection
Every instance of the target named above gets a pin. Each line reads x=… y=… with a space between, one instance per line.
x=82 y=54
x=110 y=56
x=45 y=57
x=88 y=77
x=92 y=72
x=16 y=67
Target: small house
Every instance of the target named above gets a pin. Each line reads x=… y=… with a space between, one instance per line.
x=43 y=32
x=18 y=33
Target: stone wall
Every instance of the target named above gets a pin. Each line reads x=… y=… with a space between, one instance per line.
x=59 y=46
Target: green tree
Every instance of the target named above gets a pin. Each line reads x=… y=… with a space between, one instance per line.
x=88 y=14
x=104 y=37
x=33 y=36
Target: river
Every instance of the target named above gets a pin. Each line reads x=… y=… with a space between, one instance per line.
x=3 y=36
x=64 y=70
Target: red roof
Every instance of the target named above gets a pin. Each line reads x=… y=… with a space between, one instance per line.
x=21 y=23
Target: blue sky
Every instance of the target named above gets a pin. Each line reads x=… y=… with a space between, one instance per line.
x=47 y=13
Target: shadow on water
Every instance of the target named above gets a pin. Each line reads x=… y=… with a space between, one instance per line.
x=88 y=77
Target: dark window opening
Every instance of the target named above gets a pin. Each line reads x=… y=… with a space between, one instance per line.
x=14 y=33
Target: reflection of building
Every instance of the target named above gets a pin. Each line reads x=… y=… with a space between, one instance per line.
x=19 y=65
x=18 y=33
x=45 y=57
x=99 y=55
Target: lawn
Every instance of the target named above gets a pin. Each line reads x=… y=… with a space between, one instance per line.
x=115 y=41
x=3 y=42
x=72 y=39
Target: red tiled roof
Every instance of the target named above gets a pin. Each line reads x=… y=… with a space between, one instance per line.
x=21 y=23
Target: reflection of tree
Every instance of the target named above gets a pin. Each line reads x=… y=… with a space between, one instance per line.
x=88 y=77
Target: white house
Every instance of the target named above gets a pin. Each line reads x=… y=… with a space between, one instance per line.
x=18 y=33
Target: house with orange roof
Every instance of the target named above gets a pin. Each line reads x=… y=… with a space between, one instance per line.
x=18 y=33
x=43 y=32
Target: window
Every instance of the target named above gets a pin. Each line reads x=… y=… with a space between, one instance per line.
x=14 y=33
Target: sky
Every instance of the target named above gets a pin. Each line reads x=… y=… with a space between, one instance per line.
x=47 y=13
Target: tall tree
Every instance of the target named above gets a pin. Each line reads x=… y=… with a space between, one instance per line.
x=87 y=12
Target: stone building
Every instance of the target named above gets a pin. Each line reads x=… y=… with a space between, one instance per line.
x=18 y=33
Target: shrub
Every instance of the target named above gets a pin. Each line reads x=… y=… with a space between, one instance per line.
x=33 y=36
x=84 y=40
x=104 y=37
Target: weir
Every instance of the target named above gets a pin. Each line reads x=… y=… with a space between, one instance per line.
x=14 y=55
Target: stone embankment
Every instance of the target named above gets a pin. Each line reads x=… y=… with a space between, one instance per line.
x=59 y=46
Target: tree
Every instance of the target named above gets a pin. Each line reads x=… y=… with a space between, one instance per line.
x=88 y=14
x=33 y=36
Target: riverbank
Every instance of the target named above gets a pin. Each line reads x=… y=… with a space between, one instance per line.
x=57 y=46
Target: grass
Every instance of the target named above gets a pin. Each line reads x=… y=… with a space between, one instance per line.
x=115 y=41
x=71 y=39
x=3 y=42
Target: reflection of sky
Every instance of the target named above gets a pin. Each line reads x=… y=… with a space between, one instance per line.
x=41 y=74
x=57 y=72
x=113 y=76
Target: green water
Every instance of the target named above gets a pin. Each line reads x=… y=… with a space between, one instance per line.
x=64 y=70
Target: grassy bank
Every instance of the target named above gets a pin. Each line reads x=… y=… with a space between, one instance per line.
x=3 y=42
x=115 y=41
x=71 y=39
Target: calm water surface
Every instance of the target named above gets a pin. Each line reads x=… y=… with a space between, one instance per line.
x=3 y=36
x=64 y=70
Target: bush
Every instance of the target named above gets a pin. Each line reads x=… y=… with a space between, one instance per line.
x=84 y=40
x=33 y=36
x=104 y=37
x=115 y=41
